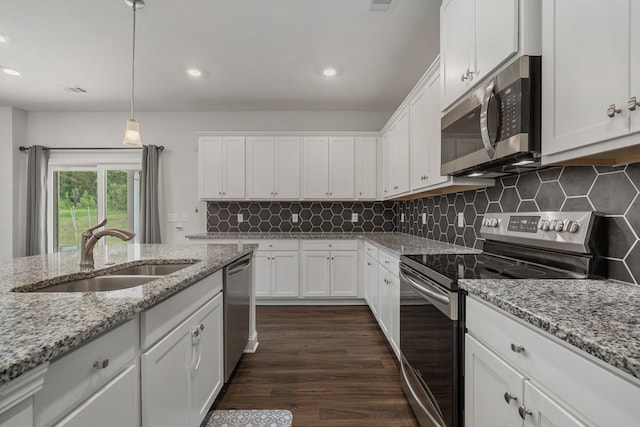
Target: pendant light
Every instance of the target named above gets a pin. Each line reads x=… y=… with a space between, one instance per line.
x=132 y=134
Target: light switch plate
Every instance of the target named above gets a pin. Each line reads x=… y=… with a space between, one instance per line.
x=294 y=217
x=354 y=217
x=424 y=218
x=240 y=218
x=460 y=219
x=185 y=217
x=173 y=217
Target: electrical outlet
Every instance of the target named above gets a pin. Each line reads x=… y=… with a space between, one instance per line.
x=294 y=217
x=354 y=217
x=460 y=219
x=401 y=217
x=424 y=218
x=240 y=218
x=173 y=217
x=185 y=217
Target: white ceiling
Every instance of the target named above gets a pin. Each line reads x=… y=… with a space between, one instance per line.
x=255 y=54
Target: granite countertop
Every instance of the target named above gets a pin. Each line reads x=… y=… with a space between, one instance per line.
x=38 y=327
x=601 y=317
x=395 y=243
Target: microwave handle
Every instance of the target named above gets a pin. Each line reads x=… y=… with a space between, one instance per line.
x=484 y=119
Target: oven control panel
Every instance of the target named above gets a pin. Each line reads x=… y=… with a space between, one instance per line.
x=553 y=230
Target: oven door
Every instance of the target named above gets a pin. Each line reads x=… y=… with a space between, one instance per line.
x=430 y=346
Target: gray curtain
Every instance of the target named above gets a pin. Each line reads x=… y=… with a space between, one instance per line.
x=37 y=163
x=149 y=215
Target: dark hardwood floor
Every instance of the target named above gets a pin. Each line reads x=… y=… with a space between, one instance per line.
x=329 y=365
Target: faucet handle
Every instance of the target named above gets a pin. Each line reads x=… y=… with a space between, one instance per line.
x=95 y=227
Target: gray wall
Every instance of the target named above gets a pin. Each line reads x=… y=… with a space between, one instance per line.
x=610 y=190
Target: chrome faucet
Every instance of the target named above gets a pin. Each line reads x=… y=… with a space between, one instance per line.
x=89 y=241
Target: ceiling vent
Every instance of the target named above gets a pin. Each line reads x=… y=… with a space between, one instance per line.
x=75 y=89
x=381 y=5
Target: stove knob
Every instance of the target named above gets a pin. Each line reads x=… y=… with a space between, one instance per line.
x=573 y=227
x=485 y=222
x=544 y=225
x=493 y=222
x=559 y=226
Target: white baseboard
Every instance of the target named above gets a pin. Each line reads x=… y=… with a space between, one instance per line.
x=310 y=301
x=252 y=344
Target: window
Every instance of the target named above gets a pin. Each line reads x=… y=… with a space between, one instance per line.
x=85 y=187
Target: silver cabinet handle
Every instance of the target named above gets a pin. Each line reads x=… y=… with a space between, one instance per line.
x=327 y=257
x=612 y=110
x=517 y=348
x=632 y=103
x=508 y=397
x=201 y=327
x=368 y=263
x=396 y=187
x=101 y=364
x=463 y=77
x=524 y=412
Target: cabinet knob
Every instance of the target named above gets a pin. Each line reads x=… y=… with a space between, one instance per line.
x=524 y=412
x=327 y=257
x=201 y=327
x=396 y=187
x=361 y=193
x=332 y=258
x=463 y=77
x=632 y=103
x=517 y=348
x=368 y=263
x=508 y=397
x=101 y=364
x=612 y=110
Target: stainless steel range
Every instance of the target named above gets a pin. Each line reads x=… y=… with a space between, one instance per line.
x=531 y=245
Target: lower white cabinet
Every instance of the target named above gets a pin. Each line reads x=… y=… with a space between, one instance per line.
x=329 y=273
x=389 y=319
x=371 y=293
x=183 y=372
x=20 y=415
x=276 y=274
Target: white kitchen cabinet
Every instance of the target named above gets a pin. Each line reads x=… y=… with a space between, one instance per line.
x=477 y=36
x=329 y=268
x=221 y=167
x=372 y=294
x=273 y=167
x=19 y=415
x=344 y=273
x=366 y=166
x=183 y=372
x=399 y=154
x=16 y=398
x=389 y=320
x=419 y=138
x=580 y=118
x=546 y=412
x=386 y=167
x=433 y=132
x=329 y=165
x=276 y=274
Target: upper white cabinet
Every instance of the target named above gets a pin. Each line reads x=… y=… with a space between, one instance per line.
x=591 y=78
x=329 y=168
x=221 y=167
x=366 y=166
x=273 y=167
x=477 y=36
x=398 y=153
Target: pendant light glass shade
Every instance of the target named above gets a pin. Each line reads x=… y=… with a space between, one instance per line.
x=132 y=134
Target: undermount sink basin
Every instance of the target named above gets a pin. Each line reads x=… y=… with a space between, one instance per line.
x=98 y=284
x=151 y=269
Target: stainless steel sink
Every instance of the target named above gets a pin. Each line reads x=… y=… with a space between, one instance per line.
x=151 y=269
x=98 y=284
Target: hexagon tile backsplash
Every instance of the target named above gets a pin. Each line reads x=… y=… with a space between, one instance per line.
x=610 y=190
x=323 y=217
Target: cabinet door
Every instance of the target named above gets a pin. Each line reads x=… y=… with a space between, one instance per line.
x=165 y=380
x=344 y=274
x=545 y=411
x=210 y=169
x=419 y=139
x=287 y=172
x=399 y=155
x=116 y=404
x=496 y=34
x=366 y=165
x=234 y=167
x=316 y=273
x=385 y=165
x=285 y=274
x=487 y=378
x=341 y=168
x=206 y=363
x=394 y=302
x=20 y=415
x=385 y=302
x=434 y=117
x=316 y=168
x=262 y=274
x=584 y=71
x=635 y=65
x=260 y=167
x=456 y=32
x=371 y=285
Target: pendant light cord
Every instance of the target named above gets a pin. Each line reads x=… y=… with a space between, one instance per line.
x=133 y=61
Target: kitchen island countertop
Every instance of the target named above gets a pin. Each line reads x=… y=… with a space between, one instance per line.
x=38 y=327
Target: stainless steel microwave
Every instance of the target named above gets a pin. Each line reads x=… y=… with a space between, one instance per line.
x=495 y=131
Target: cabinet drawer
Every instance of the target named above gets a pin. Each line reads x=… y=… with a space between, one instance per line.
x=390 y=262
x=162 y=318
x=586 y=384
x=73 y=378
x=371 y=250
x=277 y=245
x=329 y=245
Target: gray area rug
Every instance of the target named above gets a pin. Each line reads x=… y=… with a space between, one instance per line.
x=250 y=418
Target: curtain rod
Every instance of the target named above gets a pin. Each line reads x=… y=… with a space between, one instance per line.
x=23 y=148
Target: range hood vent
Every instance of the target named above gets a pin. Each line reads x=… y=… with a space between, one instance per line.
x=381 y=5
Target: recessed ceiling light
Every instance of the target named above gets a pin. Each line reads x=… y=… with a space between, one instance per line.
x=194 y=72
x=3 y=38
x=10 y=71
x=329 y=71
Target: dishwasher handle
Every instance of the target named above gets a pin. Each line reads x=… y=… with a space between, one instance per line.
x=238 y=266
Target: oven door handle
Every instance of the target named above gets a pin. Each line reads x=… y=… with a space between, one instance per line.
x=425 y=292
x=484 y=119
x=430 y=413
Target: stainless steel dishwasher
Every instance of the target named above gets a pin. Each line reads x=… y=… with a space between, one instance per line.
x=237 y=299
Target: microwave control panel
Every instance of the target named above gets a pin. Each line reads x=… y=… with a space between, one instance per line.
x=511 y=105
